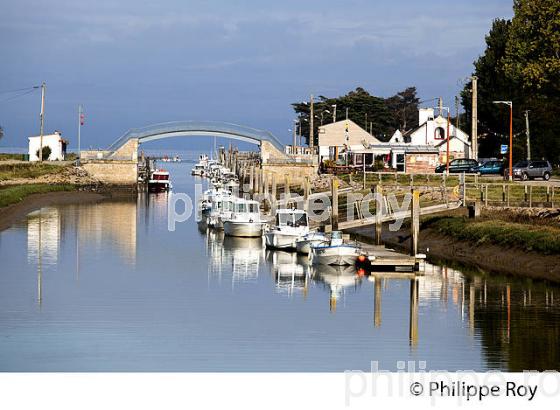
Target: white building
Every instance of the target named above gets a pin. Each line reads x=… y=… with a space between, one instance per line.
x=54 y=141
x=432 y=131
x=342 y=136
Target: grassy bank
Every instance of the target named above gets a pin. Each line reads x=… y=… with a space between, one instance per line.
x=27 y=170
x=537 y=238
x=15 y=194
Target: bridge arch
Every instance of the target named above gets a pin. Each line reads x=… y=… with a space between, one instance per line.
x=196 y=129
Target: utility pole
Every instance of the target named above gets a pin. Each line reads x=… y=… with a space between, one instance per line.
x=347 y=114
x=366 y=123
x=448 y=137
x=334 y=113
x=456 y=114
x=440 y=105
x=474 y=125
x=528 y=135
x=80 y=123
x=311 y=117
x=295 y=141
x=43 y=91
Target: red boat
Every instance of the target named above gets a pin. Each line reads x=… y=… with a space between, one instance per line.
x=159 y=181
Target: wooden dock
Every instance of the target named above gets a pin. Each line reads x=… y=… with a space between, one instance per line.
x=382 y=259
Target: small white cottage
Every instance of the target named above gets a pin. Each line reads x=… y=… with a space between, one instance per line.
x=54 y=141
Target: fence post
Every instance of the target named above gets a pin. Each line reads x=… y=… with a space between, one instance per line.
x=378 y=195
x=531 y=196
x=503 y=193
x=486 y=196
x=547 y=194
x=364 y=171
x=306 y=193
x=508 y=194
x=525 y=196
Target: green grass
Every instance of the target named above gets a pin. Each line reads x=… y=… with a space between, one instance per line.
x=15 y=194
x=27 y=170
x=539 y=238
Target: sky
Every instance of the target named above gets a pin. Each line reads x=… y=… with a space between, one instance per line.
x=133 y=63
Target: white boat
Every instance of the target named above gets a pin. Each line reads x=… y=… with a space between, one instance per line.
x=245 y=220
x=221 y=209
x=200 y=168
x=304 y=244
x=291 y=225
x=336 y=252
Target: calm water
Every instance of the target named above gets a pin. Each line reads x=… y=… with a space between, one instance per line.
x=106 y=287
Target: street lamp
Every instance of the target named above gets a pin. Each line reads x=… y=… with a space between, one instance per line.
x=510 y=104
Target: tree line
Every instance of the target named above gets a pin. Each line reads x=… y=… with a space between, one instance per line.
x=378 y=115
x=521 y=63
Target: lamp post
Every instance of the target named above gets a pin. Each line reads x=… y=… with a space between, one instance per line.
x=510 y=104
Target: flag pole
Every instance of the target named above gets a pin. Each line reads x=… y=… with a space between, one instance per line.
x=79 y=132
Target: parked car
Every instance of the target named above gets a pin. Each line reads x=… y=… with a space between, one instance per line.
x=491 y=167
x=526 y=170
x=459 y=165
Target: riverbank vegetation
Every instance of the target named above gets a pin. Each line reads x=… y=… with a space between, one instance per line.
x=14 y=194
x=542 y=238
x=28 y=170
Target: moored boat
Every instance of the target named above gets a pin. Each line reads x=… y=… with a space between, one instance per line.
x=335 y=252
x=304 y=244
x=245 y=220
x=159 y=181
x=291 y=225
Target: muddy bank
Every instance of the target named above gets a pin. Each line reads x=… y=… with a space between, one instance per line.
x=488 y=258
x=13 y=213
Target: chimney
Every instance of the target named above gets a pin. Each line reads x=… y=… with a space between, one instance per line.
x=425 y=114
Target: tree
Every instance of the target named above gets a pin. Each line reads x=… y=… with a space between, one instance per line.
x=385 y=115
x=533 y=49
x=46 y=152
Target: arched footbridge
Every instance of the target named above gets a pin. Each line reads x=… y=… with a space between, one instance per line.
x=197 y=129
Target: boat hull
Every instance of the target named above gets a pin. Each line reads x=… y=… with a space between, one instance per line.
x=334 y=255
x=243 y=229
x=279 y=240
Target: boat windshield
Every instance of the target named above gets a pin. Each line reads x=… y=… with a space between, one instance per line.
x=291 y=219
x=253 y=208
x=241 y=207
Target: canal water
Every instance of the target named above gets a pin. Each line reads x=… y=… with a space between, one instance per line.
x=106 y=287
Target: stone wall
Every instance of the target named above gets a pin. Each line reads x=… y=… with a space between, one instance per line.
x=129 y=151
x=113 y=172
x=295 y=172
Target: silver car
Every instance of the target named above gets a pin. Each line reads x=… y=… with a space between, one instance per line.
x=526 y=170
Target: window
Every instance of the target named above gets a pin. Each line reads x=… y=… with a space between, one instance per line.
x=439 y=133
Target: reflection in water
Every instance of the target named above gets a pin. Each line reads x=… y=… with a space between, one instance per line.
x=339 y=279
x=111 y=223
x=290 y=271
x=239 y=256
x=137 y=309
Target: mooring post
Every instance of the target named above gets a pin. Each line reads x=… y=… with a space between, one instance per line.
x=306 y=194
x=364 y=171
x=274 y=194
x=415 y=222
x=378 y=286
x=334 y=211
x=251 y=176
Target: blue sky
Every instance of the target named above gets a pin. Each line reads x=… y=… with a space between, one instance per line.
x=133 y=63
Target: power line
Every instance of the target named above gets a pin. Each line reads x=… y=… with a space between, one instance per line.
x=20 y=89
x=20 y=94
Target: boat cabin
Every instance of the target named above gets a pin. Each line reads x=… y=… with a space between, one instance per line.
x=291 y=217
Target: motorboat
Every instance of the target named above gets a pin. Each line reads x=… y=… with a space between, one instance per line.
x=221 y=209
x=304 y=244
x=335 y=252
x=291 y=225
x=201 y=166
x=159 y=181
x=245 y=219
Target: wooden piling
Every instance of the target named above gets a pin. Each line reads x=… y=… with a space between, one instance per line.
x=251 y=177
x=415 y=222
x=306 y=194
x=274 y=194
